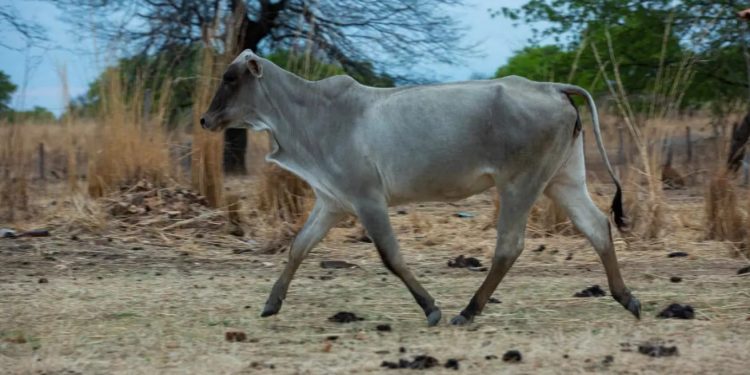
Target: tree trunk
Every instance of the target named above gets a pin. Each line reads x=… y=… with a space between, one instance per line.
x=235 y=147
x=249 y=35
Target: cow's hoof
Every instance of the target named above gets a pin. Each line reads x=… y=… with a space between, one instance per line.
x=460 y=320
x=433 y=318
x=631 y=303
x=634 y=306
x=271 y=309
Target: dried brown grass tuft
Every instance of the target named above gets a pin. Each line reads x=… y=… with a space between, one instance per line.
x=724 y=217
x=283 y=196
x=208 y=147
x=14 y=172
x=548 y=218
x=126 y=149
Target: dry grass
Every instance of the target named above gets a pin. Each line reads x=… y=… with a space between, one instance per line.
x=14 y=170
x=207 y=147
x=126 y=149
x=110 y=309
x=725 y=220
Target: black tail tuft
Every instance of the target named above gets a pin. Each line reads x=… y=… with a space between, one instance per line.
x=618 y=212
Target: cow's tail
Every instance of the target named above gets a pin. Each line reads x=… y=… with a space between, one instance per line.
x=617 y=210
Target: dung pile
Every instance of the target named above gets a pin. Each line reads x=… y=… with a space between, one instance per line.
x=162 y=207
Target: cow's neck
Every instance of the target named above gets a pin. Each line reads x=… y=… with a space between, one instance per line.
x=303 y=115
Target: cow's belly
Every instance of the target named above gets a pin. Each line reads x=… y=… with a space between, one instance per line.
x=438 y=184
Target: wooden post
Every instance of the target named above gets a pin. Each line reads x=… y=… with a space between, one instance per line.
x=42 y=175
x=689 y=146
x=621 y=146
x=669 y=152
x=148 y=99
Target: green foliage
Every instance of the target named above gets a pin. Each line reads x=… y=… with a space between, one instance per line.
x=37 y=114
x=178 y=64
x=7 y=88
x=708 y=33
x=544 y=63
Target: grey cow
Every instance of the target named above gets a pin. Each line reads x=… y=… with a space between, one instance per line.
x=363 y=149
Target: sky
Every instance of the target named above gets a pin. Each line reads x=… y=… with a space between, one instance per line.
x=497 y=40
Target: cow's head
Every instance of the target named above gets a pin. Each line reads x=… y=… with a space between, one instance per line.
x=236 y=96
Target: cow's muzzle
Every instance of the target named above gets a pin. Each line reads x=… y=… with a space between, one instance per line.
x=209 y=122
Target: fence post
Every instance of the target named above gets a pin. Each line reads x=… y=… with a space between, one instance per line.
x=620 y=146
x=42 y=175
x=148 y=100
x=689 y=145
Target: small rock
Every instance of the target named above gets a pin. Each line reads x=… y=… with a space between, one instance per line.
x=743 y=271
x=513 y=356
x=401 y=349
x=451 y=363
x=490 y=357
x=402 y=212
x=336 y=264
x=332 y=338
x=608 y=359
x=677 y=311
x=592 y=291
x=7 y=233
x=494 y=300
x=539 y=249
x=464 y=214
x=677 y=254
x=653 y=350
x=344 y=317
x=43 y=280
x=464 y=262
x=675 y=279
x=383 y=327
x=235 y=336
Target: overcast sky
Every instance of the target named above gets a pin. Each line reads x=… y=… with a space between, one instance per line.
x=498 y=39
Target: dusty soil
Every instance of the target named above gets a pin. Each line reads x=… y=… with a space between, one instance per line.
x=128 y=305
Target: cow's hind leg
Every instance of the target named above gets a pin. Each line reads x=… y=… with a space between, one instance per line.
x=515 y=203
x=320 y=221
x=568 y=190
x=375 y=219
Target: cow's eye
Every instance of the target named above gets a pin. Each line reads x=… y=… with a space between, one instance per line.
x=229 y=79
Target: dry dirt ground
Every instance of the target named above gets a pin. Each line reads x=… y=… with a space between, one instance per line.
x=94 y=306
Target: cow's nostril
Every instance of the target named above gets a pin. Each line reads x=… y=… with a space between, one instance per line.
x=203 y=122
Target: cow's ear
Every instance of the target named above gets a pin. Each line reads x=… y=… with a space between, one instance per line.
x=255 y=67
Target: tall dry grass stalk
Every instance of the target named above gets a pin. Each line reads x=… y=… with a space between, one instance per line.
x=14 y=172
x=649 y=210
x=724 y=217
x=208 y=147
x=126 y=148
x=284 y=197
x=69 y=142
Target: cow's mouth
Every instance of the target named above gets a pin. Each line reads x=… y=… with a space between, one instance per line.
x=212 y=123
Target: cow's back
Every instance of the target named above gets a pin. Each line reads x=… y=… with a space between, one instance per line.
x=449 y=141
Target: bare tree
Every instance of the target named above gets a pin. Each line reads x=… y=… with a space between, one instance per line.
x=390 y=34
x=11 y=22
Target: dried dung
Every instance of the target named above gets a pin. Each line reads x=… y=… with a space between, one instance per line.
x=592 y=291
x=464 y=262
x=344 y=317
x=513 y=356
x=677 y=311
x=420 y=362
x=655 y=350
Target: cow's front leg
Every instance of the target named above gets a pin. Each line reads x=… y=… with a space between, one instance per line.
x=321 y=220
x=515 y=205
x=375 y=219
